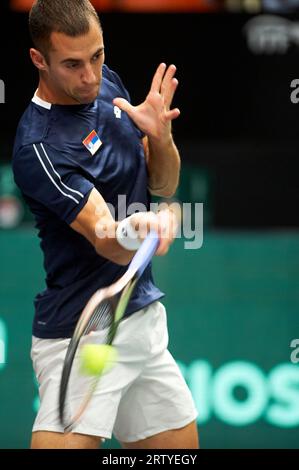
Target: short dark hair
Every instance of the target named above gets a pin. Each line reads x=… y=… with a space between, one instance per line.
x=70 y=17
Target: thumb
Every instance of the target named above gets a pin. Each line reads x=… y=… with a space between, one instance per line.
x=123 y=104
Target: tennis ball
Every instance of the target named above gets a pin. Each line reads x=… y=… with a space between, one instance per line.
x=97 y=358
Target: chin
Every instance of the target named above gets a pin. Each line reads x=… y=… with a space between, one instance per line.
x=87 y=97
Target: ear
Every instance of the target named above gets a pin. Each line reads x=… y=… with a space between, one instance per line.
x=38 y=59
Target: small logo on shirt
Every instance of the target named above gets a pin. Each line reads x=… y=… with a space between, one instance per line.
x=92 y=142
x=117 y=112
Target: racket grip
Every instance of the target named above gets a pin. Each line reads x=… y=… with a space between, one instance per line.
x=145 y=253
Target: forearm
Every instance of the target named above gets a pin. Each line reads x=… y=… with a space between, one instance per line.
x=109 y=248
x=103 y=238
x=164 y=163
x=97 y=225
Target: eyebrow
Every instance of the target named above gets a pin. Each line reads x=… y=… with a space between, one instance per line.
x=71 y=59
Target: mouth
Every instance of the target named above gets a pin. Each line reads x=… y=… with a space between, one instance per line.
x=89 y=91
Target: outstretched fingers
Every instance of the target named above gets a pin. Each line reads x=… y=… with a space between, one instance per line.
x=158 y=78
x=169 y=85
x=171 y=115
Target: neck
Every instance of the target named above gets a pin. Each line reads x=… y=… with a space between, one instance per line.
x=46 y=93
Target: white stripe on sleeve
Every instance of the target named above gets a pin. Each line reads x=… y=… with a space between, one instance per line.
x=66 y=187
x=51 y=178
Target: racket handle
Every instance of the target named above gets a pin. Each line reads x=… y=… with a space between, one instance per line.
x=145 y=253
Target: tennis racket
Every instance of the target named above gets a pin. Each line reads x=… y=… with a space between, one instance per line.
x=103 y=312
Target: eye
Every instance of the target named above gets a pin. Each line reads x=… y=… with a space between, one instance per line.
x=72 y=65
x=96 y=57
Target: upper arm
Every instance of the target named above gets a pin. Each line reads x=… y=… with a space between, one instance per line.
x=94 y=218
x=48 y=177
x=97 y=225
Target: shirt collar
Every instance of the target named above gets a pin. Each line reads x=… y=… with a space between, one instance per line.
x=41 y=102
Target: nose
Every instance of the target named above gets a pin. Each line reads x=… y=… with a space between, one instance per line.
x=89 y=76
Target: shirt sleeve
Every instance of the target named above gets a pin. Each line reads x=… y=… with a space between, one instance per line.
x=48 y=176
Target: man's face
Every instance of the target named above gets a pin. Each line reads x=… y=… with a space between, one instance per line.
x=75 y=71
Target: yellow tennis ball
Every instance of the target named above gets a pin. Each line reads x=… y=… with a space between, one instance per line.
x=97 y=358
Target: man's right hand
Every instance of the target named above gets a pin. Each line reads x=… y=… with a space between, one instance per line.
x=165 y=222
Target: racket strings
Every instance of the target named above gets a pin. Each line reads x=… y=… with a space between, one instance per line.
x=101 y=318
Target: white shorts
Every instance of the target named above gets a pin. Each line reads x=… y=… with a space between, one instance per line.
x=143 y=395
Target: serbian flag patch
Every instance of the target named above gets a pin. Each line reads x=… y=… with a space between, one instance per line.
x=92 y=142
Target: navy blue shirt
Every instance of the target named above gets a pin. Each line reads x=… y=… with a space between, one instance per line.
x=56 y=172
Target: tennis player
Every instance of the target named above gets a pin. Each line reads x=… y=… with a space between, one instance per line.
x=79 y=146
